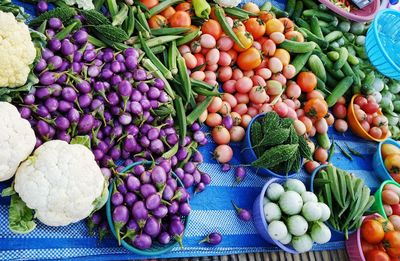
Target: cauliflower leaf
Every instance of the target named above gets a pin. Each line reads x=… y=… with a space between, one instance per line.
x=20 y=217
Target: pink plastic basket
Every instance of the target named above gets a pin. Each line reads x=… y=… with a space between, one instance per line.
x=353 y=244
x=363 y=15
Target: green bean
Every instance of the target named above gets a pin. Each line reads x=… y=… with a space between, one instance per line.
x=331 y=149
x=354 y=152
x=345 y=153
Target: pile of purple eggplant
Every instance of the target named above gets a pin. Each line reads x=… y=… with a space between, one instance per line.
x=149 y=213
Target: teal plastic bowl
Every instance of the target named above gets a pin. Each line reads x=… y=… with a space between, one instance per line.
x=249 y=155
x=157 y=249
x=377 y=161
x=336 y=234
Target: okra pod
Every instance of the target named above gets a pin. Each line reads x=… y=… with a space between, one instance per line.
x=158 y=49
x=169 y=31
x=331 y=150
x=161 y=7
x=188 y=37
x=198 y=110
x=181 y=116
x=112 y=7
x=142 y=29
x=183 y=75
x=159 y=40
x=96 y=42
x=67 y=30
x=220 y=14
x=142 y=19
x=120 y=17
x=130 y=28
x=171 y=59
x=205 y=92
x=154 y=58
x=235 y=13
x=201 y=84
x=152 y=68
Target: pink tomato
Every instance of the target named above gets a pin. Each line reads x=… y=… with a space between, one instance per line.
x=257 y=45
x=311 y=166
x=307 y=122
x=244 y=85
x=297 y=103
x=245 y=120
x=212 y=82
x=184 y=49
x=291 y=114
x=213 y=119
x=321 y=126
x=220 y=135
x=360 y=115
x=224 y=43
x=237 y=74
x=371 y=98
x=212 y=67
x=229 y=86
x=198 y=75
x=289 y=71
x=321 y=154
x=370 y=107
x=248 y=73
x=268 y=47
x=237 y=133
x=265 y=73
x=209 y=75
x=215 y=105
x=242 y=97
x=279 y=77
x=277 y=37
x=265 y=108
x=330 y=119
x=274 y=88
x=230 y=99
x=341 y=125
x=225 y=109
x=223 y=153
x=290 y=103
x=300 y=127
x=224 y=73
x=300 y=113
x=236 y=117
x=195 y=47
x=339 y=111
x=190 y=60
x=258 y=81
x=229 y=20
x=312 y=132
x=224 y=59
x=241 y=108
x=212 y=57
x=342 y=100
x=375 y=132
x=252 y=111
x=203 y=116
x=207 y=41
x=275 y=65
x=315 y=94
x=360 y=101
x=281 y=108
x=258 y=95
x=365 y=125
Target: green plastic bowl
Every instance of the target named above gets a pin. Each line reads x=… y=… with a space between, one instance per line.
x=157 y=249
x=378 y=205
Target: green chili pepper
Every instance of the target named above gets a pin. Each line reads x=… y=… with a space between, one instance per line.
x=345 y=152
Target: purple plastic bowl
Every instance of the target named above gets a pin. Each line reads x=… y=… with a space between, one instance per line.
x=259 y=220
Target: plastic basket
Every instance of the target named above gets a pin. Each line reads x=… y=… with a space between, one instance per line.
x=377 y=161
x=157 y=249
x=249 y=155
x=261 y=223
x=383 y=43
x=378 y=205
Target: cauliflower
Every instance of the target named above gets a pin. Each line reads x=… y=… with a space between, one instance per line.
x=82 y=4
x=228 y=3
x=61 y=182
x=17 y=51
x=17 y=140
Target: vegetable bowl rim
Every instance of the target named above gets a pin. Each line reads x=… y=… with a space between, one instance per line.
x=379 y=156
x=378 y=204
x=259 y=203
x=161 y=249
x=366 y=135
x=313 y=175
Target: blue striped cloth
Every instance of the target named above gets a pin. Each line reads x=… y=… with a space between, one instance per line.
x=212 y=211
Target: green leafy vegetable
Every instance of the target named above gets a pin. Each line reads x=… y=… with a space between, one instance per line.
x=20 y=217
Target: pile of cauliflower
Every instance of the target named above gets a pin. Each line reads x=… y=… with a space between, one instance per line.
x=60 y=182
x=17 y=51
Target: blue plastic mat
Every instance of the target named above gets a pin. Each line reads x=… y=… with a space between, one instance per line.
x=212 y=211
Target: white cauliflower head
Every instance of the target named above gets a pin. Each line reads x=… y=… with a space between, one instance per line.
x=17 y=139
x=61 y=182
x=228 y=3
x=17 y=51
x=82 y=4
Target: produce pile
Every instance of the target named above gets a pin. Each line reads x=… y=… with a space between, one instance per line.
x=110 y=101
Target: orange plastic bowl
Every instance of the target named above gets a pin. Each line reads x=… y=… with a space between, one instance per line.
x=356 y=127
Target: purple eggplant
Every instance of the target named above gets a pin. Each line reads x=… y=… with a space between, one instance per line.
x=140 y=213
x=120 y=218
x=214 y=238
x=243 y=214
x=176 y=229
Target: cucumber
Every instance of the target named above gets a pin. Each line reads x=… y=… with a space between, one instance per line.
x=339 y=91
x=297 y=47
x=323 y=140
x=298 y=10
x=315 y=28
x=290 y=6
x=303 y=24
x=319 y=14
x=352 y=59
x=317 y=67
x=344 y=26
x=333 y=55
x=333 y=36
x=300 y=60
x=318 y=40
x=343 y=55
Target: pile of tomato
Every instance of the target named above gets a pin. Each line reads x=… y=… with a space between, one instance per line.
x=380 y=241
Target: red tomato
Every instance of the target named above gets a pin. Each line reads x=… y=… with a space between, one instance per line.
x=360 y=101
x=396 y=209
x=391 y=242
x=255 y=26
x=307 y=81
x=249 y=59
x=316 y=108
x=370 y=107
x=180 y=19
x=372 y=231
x=168 y=12
x=184 y=6
x=377 y=255
x=212 y=27
x=149 y=3
x=200 y=61
x=366 y=247
x=157 y=21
